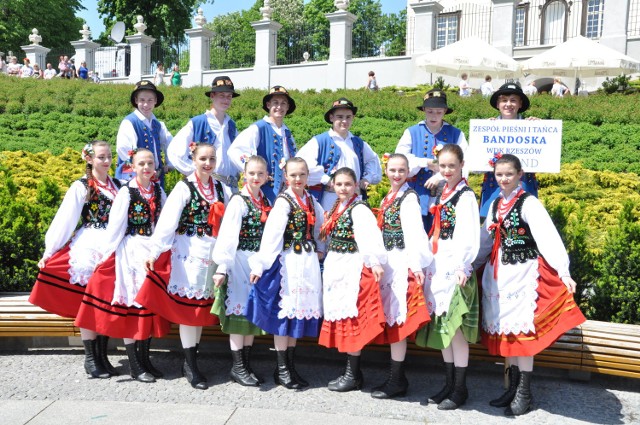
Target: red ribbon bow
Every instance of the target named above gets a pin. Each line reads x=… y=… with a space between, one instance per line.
x=435 y=211
x=497 y=241
x=216 y=211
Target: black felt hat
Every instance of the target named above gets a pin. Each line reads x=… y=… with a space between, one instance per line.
x=222 y=84
x=435 y=99
x=507 y=89
x=146 y=85
x=279 y=90
x=342 y=103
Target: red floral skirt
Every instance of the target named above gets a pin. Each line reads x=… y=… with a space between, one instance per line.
x=154 y=296
x=117 y=321
x=556 y=312
x=417 y=316
x=52 y=291
x=353 y=333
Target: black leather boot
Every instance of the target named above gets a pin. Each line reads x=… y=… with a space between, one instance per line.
x=138 y=372
x=102 y=343
x=448 y=384
x=143 y=348
x=396 y=384
x=521 y=403
x=191 y=371
x=239 y=372
x=291 y=354
x=459 y=395
x=351 y=379
x=92 y=364
x=282 y=375
x=505 y=399
x=246 y=355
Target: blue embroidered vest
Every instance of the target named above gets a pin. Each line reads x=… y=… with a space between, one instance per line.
x=202 y=131
x=270 y=147
x=422 y=143
x=148 y=138
x=329 y=155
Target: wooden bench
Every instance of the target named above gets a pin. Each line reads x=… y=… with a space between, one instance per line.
x=606 y=348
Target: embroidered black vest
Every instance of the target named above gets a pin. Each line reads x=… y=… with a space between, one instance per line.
x=342 y=237
x=517 y=243
x=95 y=211
x=448 y=214
x=139 y=222
x=195 y=215
x=251 y=228
x=392 y=234
x=295 y=234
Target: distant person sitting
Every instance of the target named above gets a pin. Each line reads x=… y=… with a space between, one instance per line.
x=49 y=73
x=531 y=89
x=372 y=83
x=486 y=88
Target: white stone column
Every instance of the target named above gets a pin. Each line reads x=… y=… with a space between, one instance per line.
x=614 y=27
x=140 y=56
x=85 y=52
x=424 y=26
x=34 y=51
x=266 y=48
x=503 y=25
x=341 y=29
x=199 y=55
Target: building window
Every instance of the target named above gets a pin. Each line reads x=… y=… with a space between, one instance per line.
x=633 y=24
x=554 y=22
x=595 y=10
x=522 y=13
x=447 y=29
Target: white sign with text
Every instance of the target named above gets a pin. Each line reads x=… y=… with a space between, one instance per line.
x=537 y=143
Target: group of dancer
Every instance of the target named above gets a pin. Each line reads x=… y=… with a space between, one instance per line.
x=298 y=252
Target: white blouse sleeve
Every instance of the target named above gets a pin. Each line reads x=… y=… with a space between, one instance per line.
x=178 y=150
x=66 y=219
x=368 y=236
x=372 y=168
x=321 y=246
x=118 y=220
x=309 y=152
x=466 y=236
x=416 y=241
x=126 y=140
x=272 y=238
x=224 y=250
x=165 y=230
x=404 y=147
x=245 y=145
x=165 y=140
x=546 y=235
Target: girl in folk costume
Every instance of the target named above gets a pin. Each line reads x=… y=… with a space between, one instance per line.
x=406 y=243
x=109 y=306
x=69 y=258
x=179 y=286
x=527 y=291
x=239 y=238
x=286 y=299
x=450 y=285
x=353 y=314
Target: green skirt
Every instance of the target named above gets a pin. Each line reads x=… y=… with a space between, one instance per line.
x=463 y=313
x=232 y=324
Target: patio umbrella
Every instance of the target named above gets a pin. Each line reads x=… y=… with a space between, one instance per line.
x=473 y=56
x=581 y=57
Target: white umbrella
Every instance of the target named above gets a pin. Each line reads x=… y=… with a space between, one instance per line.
x=473 y=56
x=581 y=57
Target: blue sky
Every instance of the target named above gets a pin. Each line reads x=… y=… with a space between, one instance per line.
x=220 y=7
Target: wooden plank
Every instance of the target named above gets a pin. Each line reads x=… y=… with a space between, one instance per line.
x=609 y=338
x=600 y=349
x=591 y=358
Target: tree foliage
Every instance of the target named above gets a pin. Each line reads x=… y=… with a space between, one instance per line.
x=54 y=19
x=164 y=18
x=234 y=42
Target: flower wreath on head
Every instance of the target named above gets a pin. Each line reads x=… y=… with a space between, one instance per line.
x=436 y=151
x=385 y=158
x=130 y=154
x=87 y=150
x=494 y=159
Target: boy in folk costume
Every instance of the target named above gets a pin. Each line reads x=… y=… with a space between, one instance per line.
x=327 y=152
x=215 y=127
x=269 y=138
x=141 y=129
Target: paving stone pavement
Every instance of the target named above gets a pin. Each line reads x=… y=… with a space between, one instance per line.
x=49 y=386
